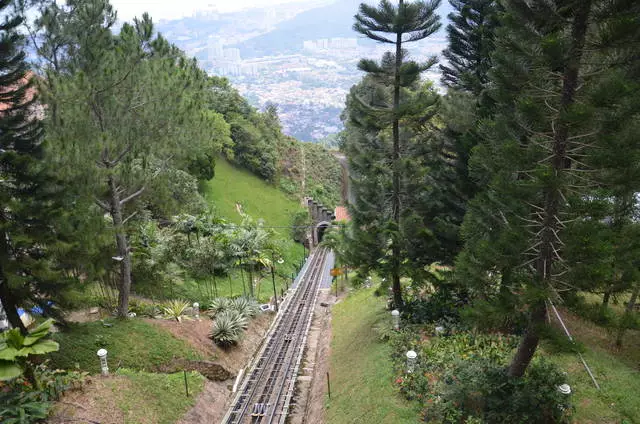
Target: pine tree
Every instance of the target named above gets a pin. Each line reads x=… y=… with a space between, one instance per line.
x=471 y=36
x=396 y=25
x=119 y=103
x=531 y=157
x=24 y=224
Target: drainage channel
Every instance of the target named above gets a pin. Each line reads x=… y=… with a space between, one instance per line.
x=266 y=392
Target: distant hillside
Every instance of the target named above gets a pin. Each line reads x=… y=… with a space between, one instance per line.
x=331 y=21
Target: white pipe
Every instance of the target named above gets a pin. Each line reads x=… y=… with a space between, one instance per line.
x=238 y=380
x=566 y=330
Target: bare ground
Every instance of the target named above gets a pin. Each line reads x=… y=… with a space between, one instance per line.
x=216 y=397
x=196 y=333
x=97 y=402
x=211 y=405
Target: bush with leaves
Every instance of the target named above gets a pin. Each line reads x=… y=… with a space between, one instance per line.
x=175 y=309
x=22 y=408
x=441 y=307
x=228 y=328
x=245 y=306
x=16 y=350
x=481 y=389
x=218 y=305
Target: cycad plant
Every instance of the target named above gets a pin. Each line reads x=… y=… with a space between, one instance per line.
x=228 y=328
x=218 y=305
x=245 y=306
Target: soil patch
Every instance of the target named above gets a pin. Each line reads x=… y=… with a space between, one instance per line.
x=86 y=315
x=211 y=370
x=210 y=406
x=96 y=402
x=196 y=333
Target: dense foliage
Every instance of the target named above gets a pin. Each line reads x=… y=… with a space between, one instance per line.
x=510 y=176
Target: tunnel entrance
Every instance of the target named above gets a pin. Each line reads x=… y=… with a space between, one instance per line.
x=321 y=229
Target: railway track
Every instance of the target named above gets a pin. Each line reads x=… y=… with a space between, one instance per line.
x=265 y=394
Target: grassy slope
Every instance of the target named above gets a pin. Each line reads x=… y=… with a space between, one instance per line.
x=616 y=370
x=361 y=373
x=258 y=198
x=131 y=397
x=157 y=398
x=133 y=344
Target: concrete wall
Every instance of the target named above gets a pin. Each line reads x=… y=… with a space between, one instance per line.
x=320 y=216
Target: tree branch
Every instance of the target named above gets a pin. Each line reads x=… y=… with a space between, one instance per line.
x=132 y=196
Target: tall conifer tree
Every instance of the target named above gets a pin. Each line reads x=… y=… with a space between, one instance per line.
x=531 y=158
x=25 y=195
x=471 y=36
x=396 y=25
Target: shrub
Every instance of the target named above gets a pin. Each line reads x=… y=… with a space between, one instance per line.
x=175 y=309
x=442 y=307
x=22 y=408
x=481 y=389
x=144 y=309
x=218 y=305
x=245 y=306
x=228 y=328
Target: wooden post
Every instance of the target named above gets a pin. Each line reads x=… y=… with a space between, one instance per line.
x=186 y=383
x=329 y=385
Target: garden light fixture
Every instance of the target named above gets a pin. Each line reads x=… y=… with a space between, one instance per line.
x=411 y=361
x=102 y=354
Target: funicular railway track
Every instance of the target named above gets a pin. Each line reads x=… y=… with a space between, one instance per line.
x=265 y=395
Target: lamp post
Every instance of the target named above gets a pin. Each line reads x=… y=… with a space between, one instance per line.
x=196 y=310
x=273 y=278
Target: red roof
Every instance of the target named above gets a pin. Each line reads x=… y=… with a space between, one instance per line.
x=342 y=214
x=29 y=95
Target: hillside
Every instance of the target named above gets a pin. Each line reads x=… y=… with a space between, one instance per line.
x=233 y=186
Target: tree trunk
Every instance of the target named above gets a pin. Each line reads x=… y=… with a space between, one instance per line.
x=124 y=256
x=244 y=288
x=395 y=249
x=553 y=197
x=251 y=281
x=10 y=306
x=606 y=298
x=627 y=314
x=529 y=342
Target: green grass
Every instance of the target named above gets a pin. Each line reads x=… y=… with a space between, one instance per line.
x=131 y=344
x=234 y=186
x=259 y=199
x=616 y=370
x=362 y=389
x=617 y=402
x=154 y=398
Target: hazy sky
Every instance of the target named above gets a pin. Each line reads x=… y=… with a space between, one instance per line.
x=171 y=9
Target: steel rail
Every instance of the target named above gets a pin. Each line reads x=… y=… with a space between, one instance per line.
x=279 y=350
